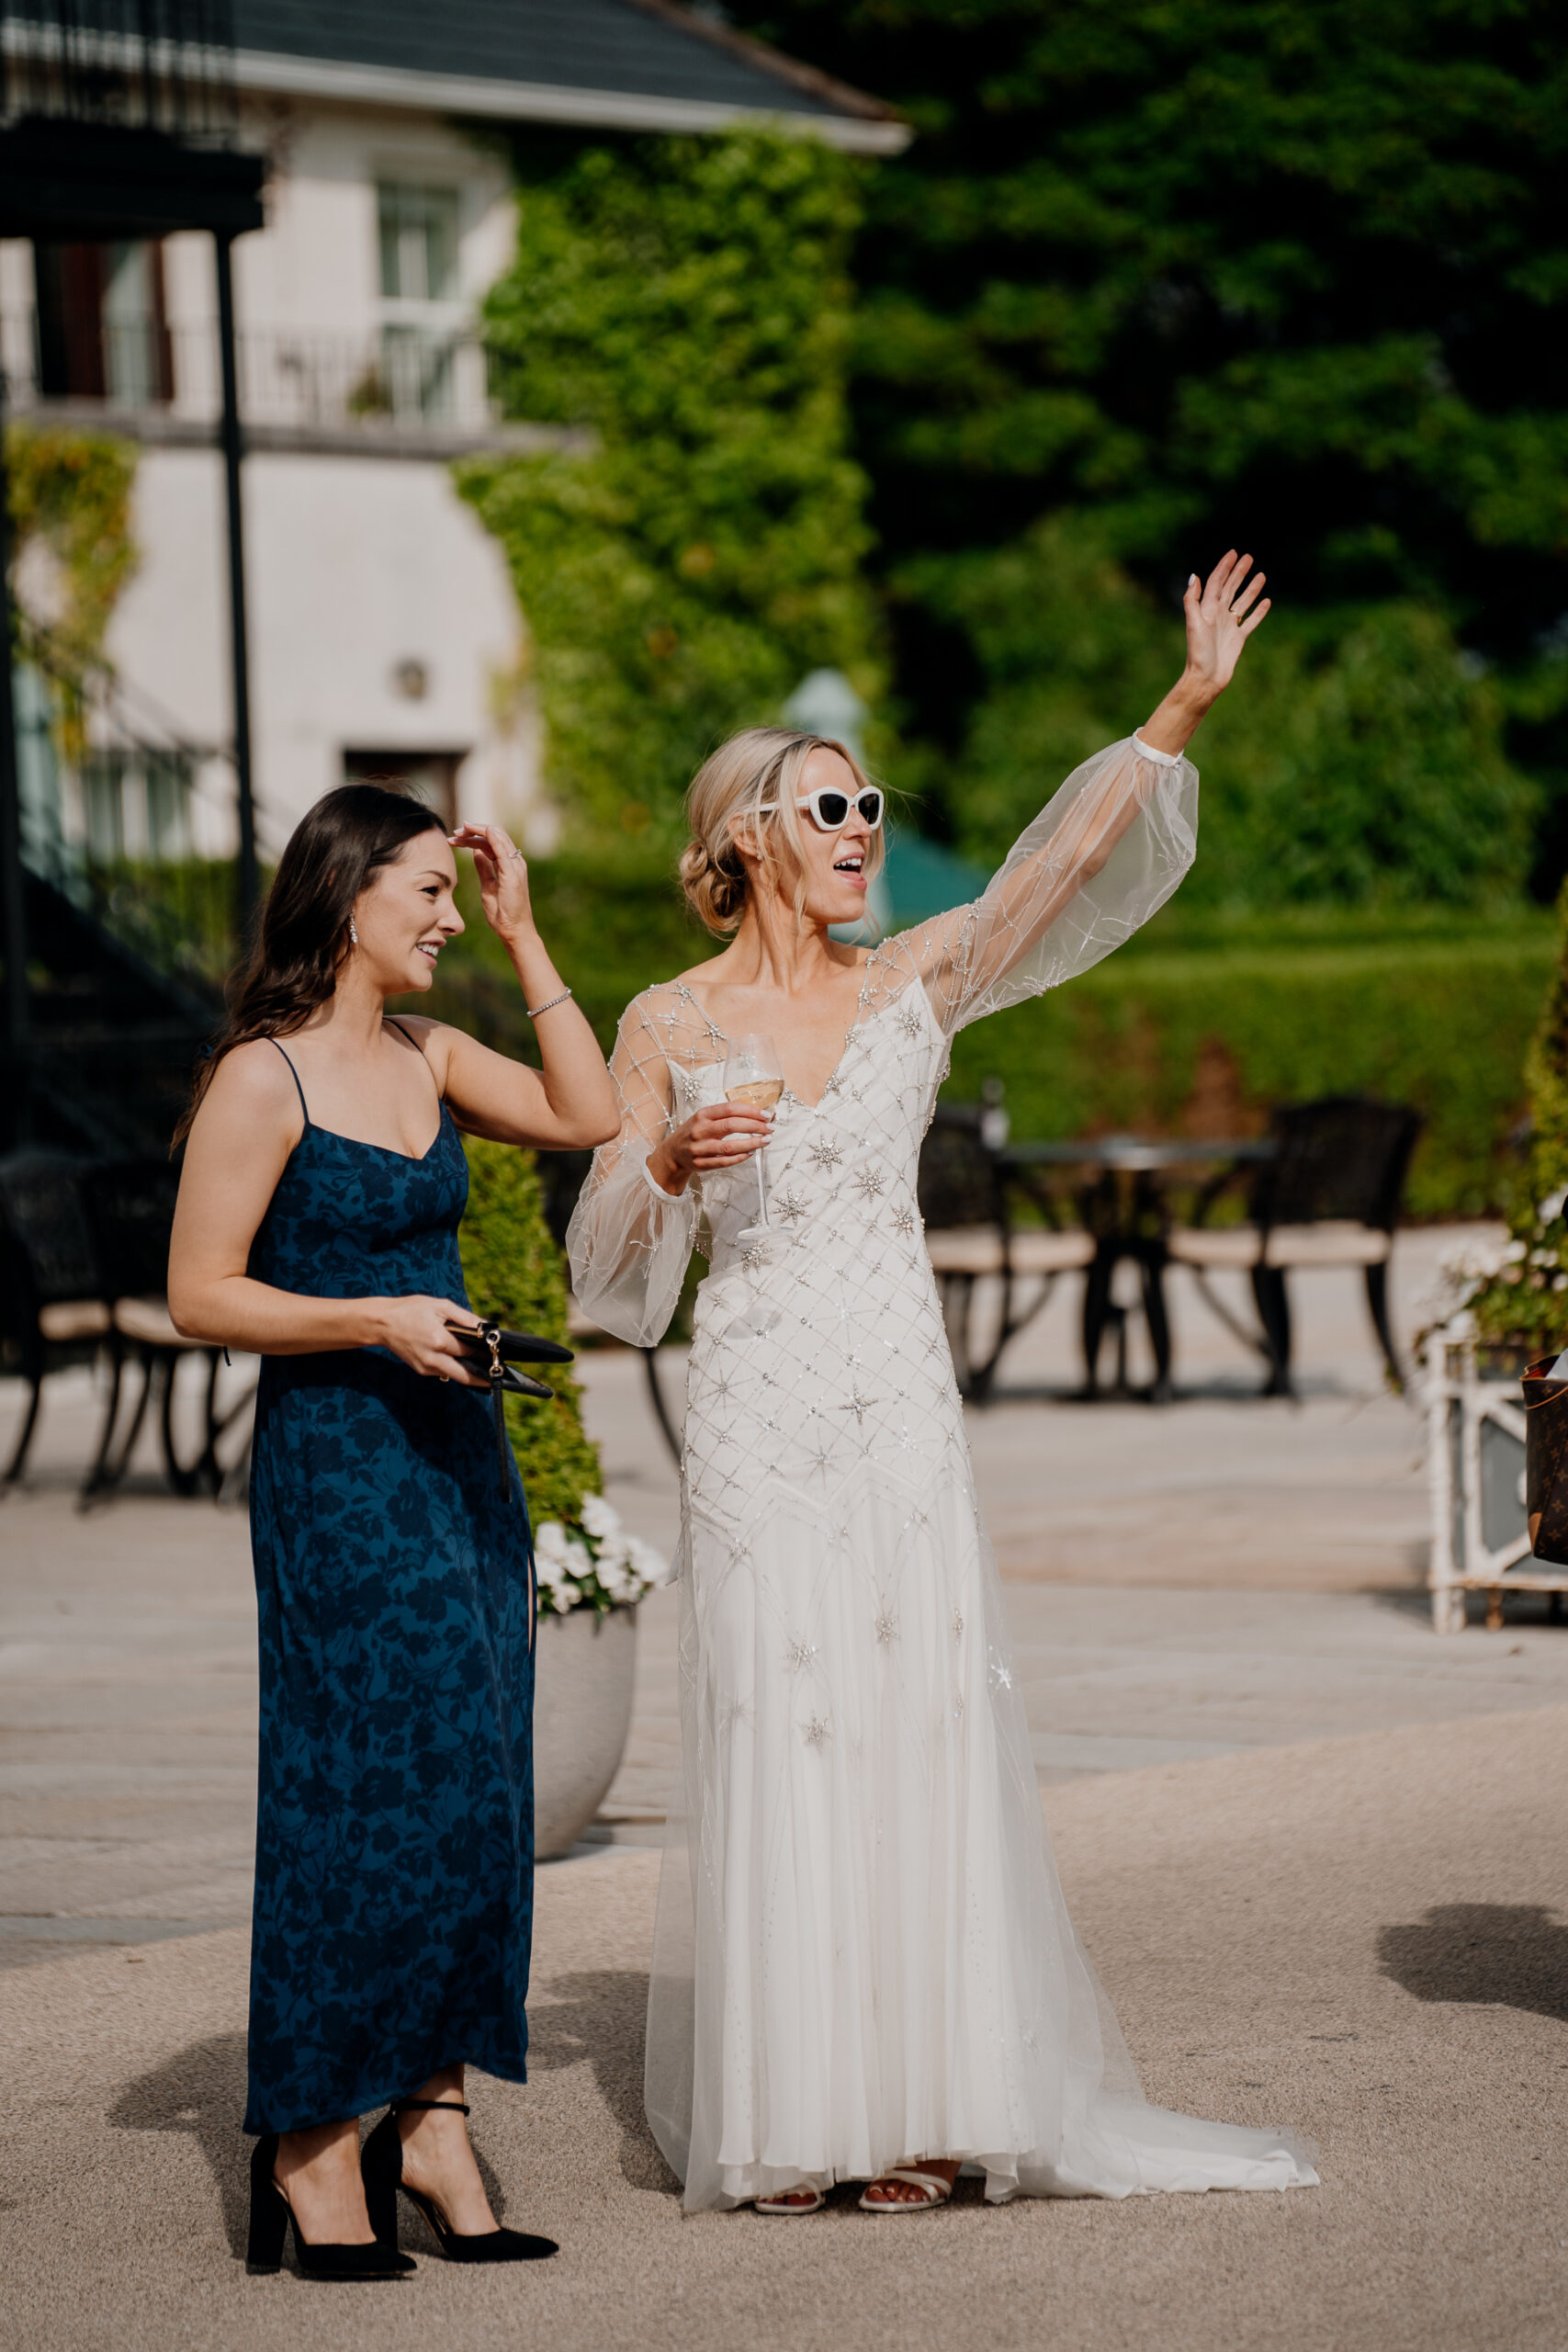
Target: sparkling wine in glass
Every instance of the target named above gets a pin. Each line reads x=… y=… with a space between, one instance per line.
x=752 y=1077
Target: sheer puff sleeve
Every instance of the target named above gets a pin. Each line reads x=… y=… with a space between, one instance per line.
x=629 y=1243
x=1103 y=854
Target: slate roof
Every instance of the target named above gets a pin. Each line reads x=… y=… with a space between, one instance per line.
x=647 y=59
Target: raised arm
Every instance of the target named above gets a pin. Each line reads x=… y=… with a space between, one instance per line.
x=569 y=1102
x=629 y=1241
x=1106 y=852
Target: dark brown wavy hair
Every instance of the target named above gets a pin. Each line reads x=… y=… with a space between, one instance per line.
x=303 y=935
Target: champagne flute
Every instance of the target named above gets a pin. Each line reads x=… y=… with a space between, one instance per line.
x=753 y=1077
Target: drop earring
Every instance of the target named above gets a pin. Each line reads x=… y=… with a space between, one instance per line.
x=353 y=932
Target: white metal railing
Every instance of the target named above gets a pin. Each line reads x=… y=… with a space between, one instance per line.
x=404 y=375
x=1476 y=1441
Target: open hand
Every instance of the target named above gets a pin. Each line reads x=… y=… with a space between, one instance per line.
x=1221 y=617
x=504 y=877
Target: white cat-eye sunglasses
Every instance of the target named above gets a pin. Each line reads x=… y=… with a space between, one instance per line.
x=830 y=810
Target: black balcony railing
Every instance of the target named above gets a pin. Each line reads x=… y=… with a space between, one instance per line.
x=129 y=821
x=117 y=122
x=164 y=65
x=406 y=376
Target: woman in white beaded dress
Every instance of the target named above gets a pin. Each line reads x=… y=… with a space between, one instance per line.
x=864 y=1968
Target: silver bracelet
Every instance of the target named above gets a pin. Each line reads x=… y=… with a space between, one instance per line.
x=533 y=1010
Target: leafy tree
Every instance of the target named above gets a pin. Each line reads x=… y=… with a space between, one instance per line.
x=1184 y=273
x=1355 y=761
x=683 y=302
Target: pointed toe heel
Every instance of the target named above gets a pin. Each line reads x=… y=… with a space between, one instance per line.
x=381 y=2166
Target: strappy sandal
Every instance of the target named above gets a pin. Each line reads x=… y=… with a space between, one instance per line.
x=786 y=2201
x=381 y=2165
x=936 y=2191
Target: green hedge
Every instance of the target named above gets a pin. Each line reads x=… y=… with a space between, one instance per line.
x=514 y=1271
x=1195 y=1026
x=1201 y=1040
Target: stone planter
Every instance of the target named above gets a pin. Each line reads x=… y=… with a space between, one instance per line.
x=584 y=1671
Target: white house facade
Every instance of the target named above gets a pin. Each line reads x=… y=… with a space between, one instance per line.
x=383 y=632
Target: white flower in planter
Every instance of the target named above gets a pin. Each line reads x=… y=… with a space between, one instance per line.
x=603 y=1567
x=598 y=1518
x=650 y=1565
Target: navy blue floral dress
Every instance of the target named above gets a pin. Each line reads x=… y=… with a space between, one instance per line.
x=395 y=1808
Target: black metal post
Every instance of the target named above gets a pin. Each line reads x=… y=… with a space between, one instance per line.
x=248 y=876
x=16 y=1115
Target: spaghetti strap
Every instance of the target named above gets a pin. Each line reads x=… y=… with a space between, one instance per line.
x=295 y=1076
x=393 y=1022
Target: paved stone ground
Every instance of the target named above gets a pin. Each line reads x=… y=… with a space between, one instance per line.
x=1277 y=1768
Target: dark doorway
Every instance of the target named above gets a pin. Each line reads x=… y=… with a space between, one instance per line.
x=431 y=777
x=103 y=324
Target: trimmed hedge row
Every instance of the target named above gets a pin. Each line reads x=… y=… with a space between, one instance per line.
x=1202 y=1042
x=1196 y=1026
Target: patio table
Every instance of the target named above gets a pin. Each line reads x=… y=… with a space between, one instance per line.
x=1123 y=1202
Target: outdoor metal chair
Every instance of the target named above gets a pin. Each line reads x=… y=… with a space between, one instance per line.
x=130 y=1211
x=964 y=1198
x=52 y=1312
x=1329 y=1196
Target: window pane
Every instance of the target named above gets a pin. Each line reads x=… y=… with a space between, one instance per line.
x=389 y=228
x=419 y=242
x=168 y=805
x=103 y=791
x=441 y=245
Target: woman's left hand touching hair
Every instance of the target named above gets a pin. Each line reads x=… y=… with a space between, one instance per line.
x=502 y=873
x=568 y=1102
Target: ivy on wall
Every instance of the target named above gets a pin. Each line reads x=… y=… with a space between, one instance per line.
x=685 y=303
x=72 y=492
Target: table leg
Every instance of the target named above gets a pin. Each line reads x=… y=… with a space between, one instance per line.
x=1097 y=1312
x=1151 y=1268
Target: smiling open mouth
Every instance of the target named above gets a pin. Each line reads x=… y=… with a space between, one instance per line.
x=431 y=947
x=848 y=864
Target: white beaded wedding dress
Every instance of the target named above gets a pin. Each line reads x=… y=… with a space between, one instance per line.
x=863 y=1953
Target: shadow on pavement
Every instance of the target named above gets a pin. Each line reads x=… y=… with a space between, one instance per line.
x=599 y=2016
x=1512 y=1955
x=202 y=2090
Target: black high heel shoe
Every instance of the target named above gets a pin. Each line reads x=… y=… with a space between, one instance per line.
x=271 y=2215
x=381 y=2165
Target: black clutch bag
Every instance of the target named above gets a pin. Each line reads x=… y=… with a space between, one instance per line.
x=496 y=1354
x=1546 y=1461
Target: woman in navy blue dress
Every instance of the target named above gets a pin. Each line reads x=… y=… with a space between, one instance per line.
x=320 y=1202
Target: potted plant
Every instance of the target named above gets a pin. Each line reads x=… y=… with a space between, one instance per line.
x=592 y=1573
x=1500 y=1307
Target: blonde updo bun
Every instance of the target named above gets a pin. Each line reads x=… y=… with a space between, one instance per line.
x=750 y=785
x=716 y=891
